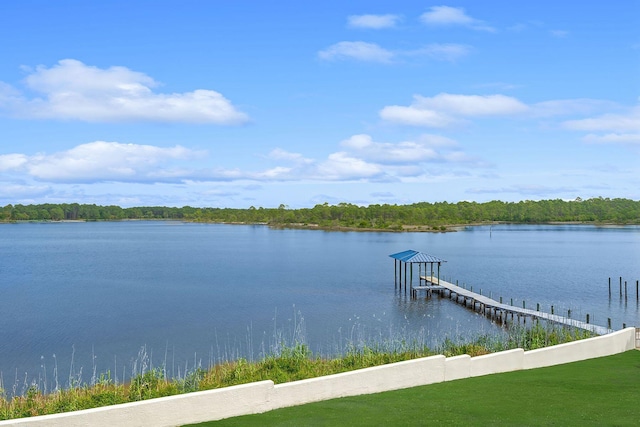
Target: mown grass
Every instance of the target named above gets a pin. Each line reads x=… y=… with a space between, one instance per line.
x=600 y=392
x=289 y=363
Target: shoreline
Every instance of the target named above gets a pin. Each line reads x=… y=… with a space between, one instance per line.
x=406 y=228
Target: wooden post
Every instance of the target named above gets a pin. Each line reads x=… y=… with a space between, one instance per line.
x=637 y=288
x=523 y=304
x=625 y=289
x=609 y=287
x=411 y=277
x=569 y=313
x=395 y=274
x=620 y=285
x=500 y=300
x=551 y=309
x=587 y=317
x=609 y=322
x=624 y=326
x=538 y=306
x=511 y=304
x=405 y=278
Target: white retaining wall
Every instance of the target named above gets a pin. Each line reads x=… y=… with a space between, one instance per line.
x=264 y=395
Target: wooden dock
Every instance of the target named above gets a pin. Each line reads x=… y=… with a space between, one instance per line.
x=494 y=308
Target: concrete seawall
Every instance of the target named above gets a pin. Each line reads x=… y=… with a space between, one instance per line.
x=265 y=396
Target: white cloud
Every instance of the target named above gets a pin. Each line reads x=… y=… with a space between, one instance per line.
x=442 y=51
x=342 y=166
x=447 y=109
x=472 y=105
x=564 y=107
x=72 y=90
x=280 y=154
x=360 y=158
x=613 y=138
x=373 y=21
x=559 y=33
x=620 y=123
x=12 y=191
x=386 y=153
x=105 y=161
x=371 y=52
x=415 y=116
x=358 y=50
x=12 y=161
x=448 y=16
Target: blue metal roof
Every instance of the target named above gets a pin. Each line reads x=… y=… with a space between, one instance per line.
x=412 y=256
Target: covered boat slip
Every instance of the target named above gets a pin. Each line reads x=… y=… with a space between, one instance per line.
x=405 y=260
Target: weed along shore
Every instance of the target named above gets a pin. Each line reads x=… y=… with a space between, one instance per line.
x=382 y=375
x=290 y=363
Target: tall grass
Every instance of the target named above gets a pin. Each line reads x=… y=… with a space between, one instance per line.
x=284 y=361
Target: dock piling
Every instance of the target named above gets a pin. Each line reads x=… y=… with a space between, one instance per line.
x=620 y=286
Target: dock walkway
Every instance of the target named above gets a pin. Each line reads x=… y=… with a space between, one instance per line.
x=484 y=304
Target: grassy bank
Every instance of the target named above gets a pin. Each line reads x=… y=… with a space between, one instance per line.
x=598 y=392
x=290 y=363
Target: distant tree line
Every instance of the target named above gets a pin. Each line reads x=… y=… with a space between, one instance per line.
x=603 y=210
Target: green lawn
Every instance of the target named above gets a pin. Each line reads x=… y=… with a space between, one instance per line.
x=604 y=391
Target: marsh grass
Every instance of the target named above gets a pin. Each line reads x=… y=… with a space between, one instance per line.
x=284 y=362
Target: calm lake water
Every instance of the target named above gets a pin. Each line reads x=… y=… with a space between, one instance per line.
x=79 y=297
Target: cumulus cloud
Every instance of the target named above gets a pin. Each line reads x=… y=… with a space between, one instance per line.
x=442 y=51
x=451 y=16
x=12 y=161
x=447 y=109
x=471 y=105
x=97 y=162
x=12 y=190
x=625 y=122
x=613 y=138
x=373 y=21
x=358 y=50
x=415 y=116
x=359 y=158
x=371 y=52
x=280 y=154
x=387 y=153
x=71 y=90
x=565 y=107
x=342 y=166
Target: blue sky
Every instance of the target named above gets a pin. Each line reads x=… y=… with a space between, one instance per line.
x=247 y=103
